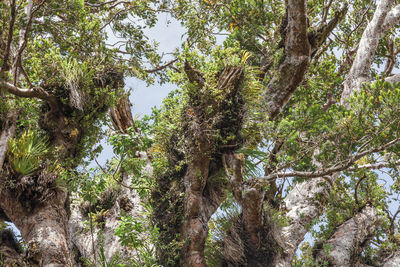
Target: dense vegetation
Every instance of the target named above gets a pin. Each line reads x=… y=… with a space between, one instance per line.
x=279 y=147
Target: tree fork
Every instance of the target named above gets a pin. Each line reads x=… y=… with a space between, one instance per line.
x=194 y=181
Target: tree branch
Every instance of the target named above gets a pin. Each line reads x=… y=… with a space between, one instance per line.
x=166 y=65
x=348 y=237
x=292 y=70
x=318 y=37
x=37 y=92
x=360 y=68
x=235 y=162
x=393 y=79
x=24 y=35
x=392 y=18
x=193 y=74
x=335 y=168
x=303 y=204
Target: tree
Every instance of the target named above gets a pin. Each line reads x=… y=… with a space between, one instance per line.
x=283 y=130
x=58 y=80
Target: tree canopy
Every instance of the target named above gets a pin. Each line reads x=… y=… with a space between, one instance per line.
x=279 y=146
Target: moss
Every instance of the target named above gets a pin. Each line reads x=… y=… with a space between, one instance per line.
x=206 y=117
x=74 y=130
x=167 y=201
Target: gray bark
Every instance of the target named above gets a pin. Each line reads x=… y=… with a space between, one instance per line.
x=344 y=244
x=88 y=243
x=127 y=201
x=393 y=261
x=44 y=228
x=360 y=69
x=304 y=203
x=301 y=203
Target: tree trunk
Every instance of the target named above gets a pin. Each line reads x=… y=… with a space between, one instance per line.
x=187 y=197
x=10 y=250
x=36 y=205
x=303 y=204
x=195 y=223
x=44 y=228
x=89 y=243
x=342 y=248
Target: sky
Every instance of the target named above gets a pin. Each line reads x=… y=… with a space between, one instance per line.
x=144 y=97
x=168 y=33
x=169 y=37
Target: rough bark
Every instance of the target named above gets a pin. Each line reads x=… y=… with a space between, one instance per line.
x=42 y=224
x=303 y=204
x=89 y=241
x=195 y=227
x=251 y=198
x=360 y=69
x=392 y=18
x=253 y=222
x=299 y=47
x=196 y=179
x=35 y=203
x=121 y=115
x=318 y=37
x=10 y=250
x=290 y=73
x=342 y=247
x=45 y=228
x=196 y=206
x=393 y=261
x=297 y=51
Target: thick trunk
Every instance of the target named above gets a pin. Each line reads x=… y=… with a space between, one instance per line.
x=253 y=222
x=37 y=207
x=360 y=69
x=344 y=245
x=88 y=242
x=303 y=204
x=246 y=241
x=195 y=223
x=44 y=228
x=187 y=196
x=297 y=52
x=42 y=220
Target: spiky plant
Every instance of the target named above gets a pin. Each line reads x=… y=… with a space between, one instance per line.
x=76 y=75
x=26 y=152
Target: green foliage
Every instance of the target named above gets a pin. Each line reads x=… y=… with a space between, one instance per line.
x=307 y=259
x=101 y=259
x=69 y=53
x=138 y=234
x=219 y=225
x=27 y=152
